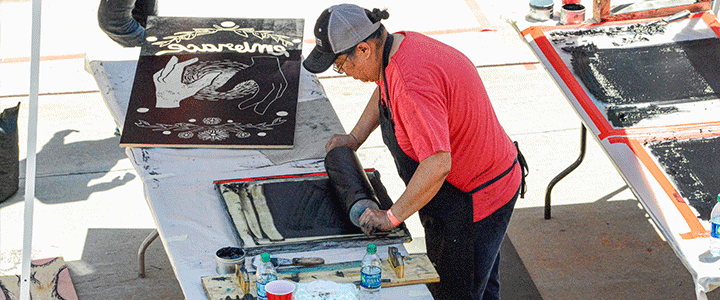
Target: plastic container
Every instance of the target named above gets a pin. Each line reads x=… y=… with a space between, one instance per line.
x=280 y=290
x=370 y=275
x=264 y=274
x=715 y=229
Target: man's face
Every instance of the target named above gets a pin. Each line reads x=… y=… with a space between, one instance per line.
x=339 y=64
x=358 y=65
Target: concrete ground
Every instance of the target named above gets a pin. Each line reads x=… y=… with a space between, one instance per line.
x=90 y=209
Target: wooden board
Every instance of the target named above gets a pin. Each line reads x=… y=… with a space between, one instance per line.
x=221 y=287
x=418 y=270
x=50 y=281
x=604 y=11
x=216 y=83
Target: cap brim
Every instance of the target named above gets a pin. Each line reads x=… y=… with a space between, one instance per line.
x=319 y=61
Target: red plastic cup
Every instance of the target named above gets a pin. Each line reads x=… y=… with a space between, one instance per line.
x=280 y=290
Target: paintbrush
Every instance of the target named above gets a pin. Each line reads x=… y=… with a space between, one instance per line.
x=297 y=261
x=681 y=15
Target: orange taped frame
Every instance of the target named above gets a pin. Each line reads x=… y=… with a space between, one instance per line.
x=697 y=230
x=537 y=33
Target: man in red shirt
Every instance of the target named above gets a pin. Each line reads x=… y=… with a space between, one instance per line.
x=462 y=171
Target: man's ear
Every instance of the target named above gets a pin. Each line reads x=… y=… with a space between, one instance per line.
x=363 y=49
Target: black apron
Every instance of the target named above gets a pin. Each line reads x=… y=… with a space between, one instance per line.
x=448 y=217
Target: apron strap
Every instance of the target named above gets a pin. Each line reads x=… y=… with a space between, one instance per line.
x=496 y=178
x=525 y=170
x=386 y=60
x=523 y=166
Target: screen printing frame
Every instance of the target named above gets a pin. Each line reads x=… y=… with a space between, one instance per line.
x=674 y=219
x=636 y=144
x=255 y=245
x=574 y=88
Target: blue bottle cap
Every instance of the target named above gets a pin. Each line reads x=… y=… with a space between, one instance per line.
x=265 y=257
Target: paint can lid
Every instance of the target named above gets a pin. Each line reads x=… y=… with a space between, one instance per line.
x=541 y=3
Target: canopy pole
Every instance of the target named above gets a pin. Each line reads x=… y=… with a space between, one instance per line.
x=31 y=149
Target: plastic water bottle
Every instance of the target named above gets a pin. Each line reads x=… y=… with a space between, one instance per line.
x=359 y=208
x=715 y=228
x=370 y=275
x=264 y=274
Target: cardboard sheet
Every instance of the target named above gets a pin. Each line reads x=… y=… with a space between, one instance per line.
x=50 y=281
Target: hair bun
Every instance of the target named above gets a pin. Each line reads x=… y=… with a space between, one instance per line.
x=377 y=15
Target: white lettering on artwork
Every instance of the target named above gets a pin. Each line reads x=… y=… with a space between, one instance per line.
x=245 y=47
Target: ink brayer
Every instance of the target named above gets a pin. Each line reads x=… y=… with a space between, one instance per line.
x=350 y=182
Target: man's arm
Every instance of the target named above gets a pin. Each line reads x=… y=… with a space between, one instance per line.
x=425 y=183
x=368 y=122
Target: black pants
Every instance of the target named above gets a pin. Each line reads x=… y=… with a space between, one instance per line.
x=466 y=254
x=124 y=20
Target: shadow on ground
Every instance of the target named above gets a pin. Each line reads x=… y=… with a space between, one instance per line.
x=595 y=248
x=67 y=172
x=109 y=267
x=515 y=281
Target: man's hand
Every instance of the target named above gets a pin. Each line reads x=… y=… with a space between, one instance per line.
x=338 y=140
x=375 y=219
x=169 y=88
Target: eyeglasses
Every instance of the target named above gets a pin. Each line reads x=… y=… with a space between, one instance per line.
x=339 y=69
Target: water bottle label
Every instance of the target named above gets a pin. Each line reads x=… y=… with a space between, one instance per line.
x=370 y=281
x=264 y=280
x=715 y=230
x=261 y=292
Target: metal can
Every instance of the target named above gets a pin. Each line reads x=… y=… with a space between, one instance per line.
x=229 y=259
x=541 y=10
x=572 y=14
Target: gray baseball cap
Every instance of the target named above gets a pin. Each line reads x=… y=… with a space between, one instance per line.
x=338 y=29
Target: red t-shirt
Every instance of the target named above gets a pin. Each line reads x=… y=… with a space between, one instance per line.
x=438 y=103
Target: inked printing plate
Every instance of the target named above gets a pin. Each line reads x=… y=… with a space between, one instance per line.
x=298 y=213
x=216 y=82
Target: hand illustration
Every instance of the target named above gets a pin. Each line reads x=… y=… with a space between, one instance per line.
x=265 y=70
x=169 y=88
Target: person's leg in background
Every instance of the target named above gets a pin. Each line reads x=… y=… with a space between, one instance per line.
x=143 y=9
x=124 y=20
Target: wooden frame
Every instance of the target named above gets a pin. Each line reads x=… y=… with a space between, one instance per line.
x=601 y=11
